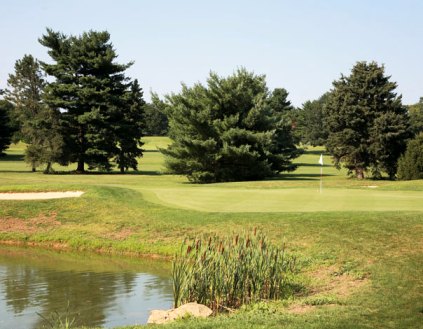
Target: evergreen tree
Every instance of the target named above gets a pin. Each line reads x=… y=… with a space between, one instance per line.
x=155 y=120
x=367 y=122
x=129 y=129
x=6 y=129
x=36 y=121
x=410 y=164
x=415 y=113
x=311 y=124
x=231 y=129
x=90 y=89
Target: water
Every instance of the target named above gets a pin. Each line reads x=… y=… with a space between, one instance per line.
x=94 y=290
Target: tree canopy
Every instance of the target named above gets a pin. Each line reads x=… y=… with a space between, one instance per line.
x=231 y=129
x=368 y=126
x=95 y=100
x=415 y=112
x=410 y=164
x=311 y=124
x=37 y=122
x=6 y=128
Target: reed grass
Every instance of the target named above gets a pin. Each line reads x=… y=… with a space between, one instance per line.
x=225 y=273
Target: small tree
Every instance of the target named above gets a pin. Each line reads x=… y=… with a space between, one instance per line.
x=231 y=129
x=368 y=125
x=410 y=164
x=415 y=112
x=155 y=120
x=311 y=124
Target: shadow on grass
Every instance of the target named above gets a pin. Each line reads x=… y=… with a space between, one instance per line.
x=303 y=177
x=313 y=165
x=12 y=157
x=91 y=173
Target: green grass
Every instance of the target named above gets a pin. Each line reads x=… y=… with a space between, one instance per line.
x=367 y=241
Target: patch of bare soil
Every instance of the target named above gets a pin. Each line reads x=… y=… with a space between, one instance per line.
x=339 y=285
x=329 y=282
x=40 y=223
x=120 y=235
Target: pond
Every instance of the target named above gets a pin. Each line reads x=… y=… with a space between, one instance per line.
x=37 y=286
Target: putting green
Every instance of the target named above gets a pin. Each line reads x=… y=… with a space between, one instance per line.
x=286 y=200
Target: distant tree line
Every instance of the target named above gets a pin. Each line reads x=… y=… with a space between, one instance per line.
x=81 y=108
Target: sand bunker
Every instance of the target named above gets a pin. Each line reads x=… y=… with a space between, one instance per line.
x=40 y=195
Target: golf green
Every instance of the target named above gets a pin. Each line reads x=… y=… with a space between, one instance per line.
x=287 y=199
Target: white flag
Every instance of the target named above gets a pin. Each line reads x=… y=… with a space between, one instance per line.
x=321 y=160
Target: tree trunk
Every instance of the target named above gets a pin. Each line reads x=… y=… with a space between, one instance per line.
x=122 y=170
x=359 y=173
x=48 y=168
x=33 y=169
x=80 y=167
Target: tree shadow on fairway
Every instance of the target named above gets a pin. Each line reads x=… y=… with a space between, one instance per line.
x=313 y=165
x=303 y=177
x=12 y=157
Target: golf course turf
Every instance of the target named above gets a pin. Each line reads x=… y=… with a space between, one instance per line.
x=360 y=243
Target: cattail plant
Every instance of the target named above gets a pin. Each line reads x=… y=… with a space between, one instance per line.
x=229 y=272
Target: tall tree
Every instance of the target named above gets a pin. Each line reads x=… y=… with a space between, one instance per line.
x=37 y=122
x=231 y=129
x=367 y=122
x=129 y=129
x=91 y=89
x=6 y=129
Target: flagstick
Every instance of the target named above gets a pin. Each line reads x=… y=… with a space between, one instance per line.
x=321 y=175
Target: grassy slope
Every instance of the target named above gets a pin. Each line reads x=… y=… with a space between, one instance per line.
x=349 y=229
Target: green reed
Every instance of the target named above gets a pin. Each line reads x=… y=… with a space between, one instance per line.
x=225 y=273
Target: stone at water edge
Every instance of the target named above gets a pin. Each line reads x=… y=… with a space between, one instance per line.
x=191 y=309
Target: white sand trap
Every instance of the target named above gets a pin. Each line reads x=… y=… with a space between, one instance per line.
x=40 y=195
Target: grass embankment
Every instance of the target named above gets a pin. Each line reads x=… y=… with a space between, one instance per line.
x=361 y=242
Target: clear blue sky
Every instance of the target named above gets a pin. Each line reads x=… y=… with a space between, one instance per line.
x=301 y=45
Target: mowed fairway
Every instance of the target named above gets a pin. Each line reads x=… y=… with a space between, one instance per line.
x=359 y=243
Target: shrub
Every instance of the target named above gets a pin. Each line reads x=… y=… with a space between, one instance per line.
x=227 y=273
x=410 y=164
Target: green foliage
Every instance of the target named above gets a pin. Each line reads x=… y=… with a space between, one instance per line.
x=230 y=272
x=410 y=164
x=91 y=90
x=415 y=113
x=368 y=126
x=129 y=130
x=38 y=123
x=155 y=120
x=232 y=129
x=311 y=126
x=6 y=128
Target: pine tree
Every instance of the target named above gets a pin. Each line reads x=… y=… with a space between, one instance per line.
x=415 y=113
x=410 y=164
x=6 y=129
x=129 y=128
x=228 y=130
x=155 y=120
x=36 y=121
x=90 y=89
x=311 y=125
x=367 y=122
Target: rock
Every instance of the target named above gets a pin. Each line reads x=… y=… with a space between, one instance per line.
x=189 y=309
